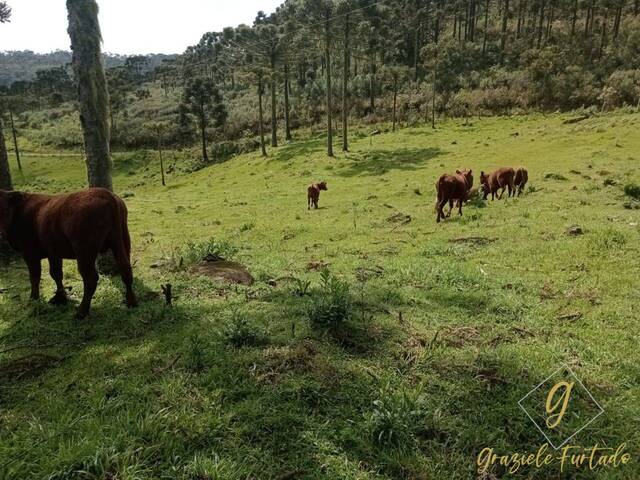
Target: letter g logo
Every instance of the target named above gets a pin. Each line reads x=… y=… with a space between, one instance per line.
x=556 y=410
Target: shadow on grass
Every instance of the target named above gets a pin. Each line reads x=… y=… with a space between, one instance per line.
x=303 y=149
x=379 y=162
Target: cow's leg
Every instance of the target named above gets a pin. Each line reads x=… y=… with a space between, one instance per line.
x=450 y=207
x=55 y=270
x=308 y=203
x=89 y=274
x=124 y=266
x=460 y=207
x=35 y=272
x=439 y=207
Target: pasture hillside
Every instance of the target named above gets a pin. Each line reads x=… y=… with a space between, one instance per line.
x=449 y=325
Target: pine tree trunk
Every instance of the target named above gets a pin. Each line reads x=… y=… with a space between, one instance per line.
x=5 y=173
x=603 y=33
x=345 y=87
x=618 y=20
x=15 y=141
x=372 y=84
x=395 y=102
x=287 y=107
x=274 y=113
x=93 y=97
x=327 y=48
x=486 y=27
x=541 y=22
x=164 y=184
x=263 y=148
x=203 y=133
x=505 y=24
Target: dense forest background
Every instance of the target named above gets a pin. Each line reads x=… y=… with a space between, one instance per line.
x=326 y=64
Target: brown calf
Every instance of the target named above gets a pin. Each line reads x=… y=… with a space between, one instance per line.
x=501 y=179
x=522 y=177
x=75 y=226
x=313 y=194
x=453 y=187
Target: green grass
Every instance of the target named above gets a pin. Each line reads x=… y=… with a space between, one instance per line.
x=446 y=332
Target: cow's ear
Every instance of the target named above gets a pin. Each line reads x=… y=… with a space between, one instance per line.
x=470 y=172
x=458 y=172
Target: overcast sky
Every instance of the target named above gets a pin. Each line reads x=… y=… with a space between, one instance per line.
x=128 y=26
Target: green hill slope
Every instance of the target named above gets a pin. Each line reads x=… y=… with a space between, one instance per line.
x=450 y=324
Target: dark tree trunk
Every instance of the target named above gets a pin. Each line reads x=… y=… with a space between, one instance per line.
x=263 y=147
x=327 y=48
x=541 y=22
x=274 y=113
x=618 y=20
x=603 y=33
x=505 y=24
x=203 y=133
x=395 y=102
x=5 y=173
x=93 y=97
x=287 y=107
x=550 y=20
x=15 y=141
x=486 y=27
x=345 y=87
x=372 y=86
x=164 y=184
x=471 y=25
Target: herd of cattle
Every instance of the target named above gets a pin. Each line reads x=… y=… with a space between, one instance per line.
x=83 y=225
x=459 y=187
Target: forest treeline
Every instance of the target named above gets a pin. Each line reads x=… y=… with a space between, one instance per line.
x=24 y=65
x=330 y=63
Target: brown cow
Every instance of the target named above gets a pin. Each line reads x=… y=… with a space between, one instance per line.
x=453 y=187
x=74 y=226
x=501 y=179
x=522 y=177
x=313 y=194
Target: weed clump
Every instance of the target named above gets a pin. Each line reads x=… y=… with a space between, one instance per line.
x=397 y=417
x=210 y=250
x=632 y=190
x=239 y=332
x=332 y=305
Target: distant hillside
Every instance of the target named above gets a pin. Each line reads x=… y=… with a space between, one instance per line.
x=23 y=65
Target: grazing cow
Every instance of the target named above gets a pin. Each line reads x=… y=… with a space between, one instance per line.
x=501 y=179
x=522 y=177
x=75 y=226
x=453 y=187
x=313 y=194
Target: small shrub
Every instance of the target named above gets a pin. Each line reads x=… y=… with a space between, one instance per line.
x=195 y=353
x=397 y=417
x=608 y=239
x=632 y=190
x=193 y=253
x=213 y=468
x=555 y=176
x=245 y=227
x=240 y=333
x=332 y=304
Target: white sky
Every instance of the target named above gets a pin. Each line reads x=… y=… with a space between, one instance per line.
x=128 y=26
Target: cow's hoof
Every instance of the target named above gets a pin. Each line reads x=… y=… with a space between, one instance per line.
x=59 y=299
x=132 y=302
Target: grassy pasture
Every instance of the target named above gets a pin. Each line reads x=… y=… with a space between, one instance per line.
x=452 y=324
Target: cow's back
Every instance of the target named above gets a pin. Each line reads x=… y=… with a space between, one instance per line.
x=66 y=225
